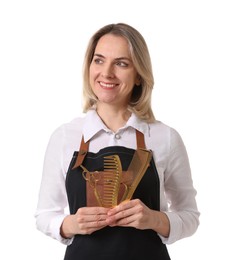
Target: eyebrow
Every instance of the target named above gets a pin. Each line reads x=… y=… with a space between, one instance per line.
x=117 y=59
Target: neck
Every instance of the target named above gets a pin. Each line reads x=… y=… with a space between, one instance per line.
x=114 y=118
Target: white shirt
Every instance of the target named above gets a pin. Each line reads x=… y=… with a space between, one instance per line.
x=177 y=194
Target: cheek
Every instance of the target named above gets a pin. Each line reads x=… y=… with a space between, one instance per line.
x=93 y=73
x=130 y=82
x=129 y=78
x=91 y=76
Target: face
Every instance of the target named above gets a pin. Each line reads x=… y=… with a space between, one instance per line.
x=112 y=73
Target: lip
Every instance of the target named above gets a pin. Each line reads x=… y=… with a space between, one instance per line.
x=107 y=85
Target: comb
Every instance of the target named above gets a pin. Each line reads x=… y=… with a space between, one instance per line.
x=112 y=179
x=138 y=167
x=106 y=185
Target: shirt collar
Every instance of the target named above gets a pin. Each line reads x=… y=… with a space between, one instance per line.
x=138 y=124
x=94 y=124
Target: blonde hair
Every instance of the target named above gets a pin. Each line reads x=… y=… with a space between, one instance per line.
x=140 y=101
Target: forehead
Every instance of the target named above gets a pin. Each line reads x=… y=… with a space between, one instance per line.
x=110 y=44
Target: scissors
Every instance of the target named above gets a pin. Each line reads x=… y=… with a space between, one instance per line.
x=92 y=178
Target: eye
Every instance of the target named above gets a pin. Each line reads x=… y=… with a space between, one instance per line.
x=98 y=61
x=122 y=64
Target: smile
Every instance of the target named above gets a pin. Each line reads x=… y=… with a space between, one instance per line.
x=107 y=85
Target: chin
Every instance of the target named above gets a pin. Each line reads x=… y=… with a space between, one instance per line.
x=108 y=100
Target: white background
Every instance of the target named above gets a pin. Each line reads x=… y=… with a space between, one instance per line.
x=42 y=45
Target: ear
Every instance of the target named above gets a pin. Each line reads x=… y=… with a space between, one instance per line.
x=138 y=80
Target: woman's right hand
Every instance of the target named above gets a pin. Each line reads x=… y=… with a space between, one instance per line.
x=86 y=221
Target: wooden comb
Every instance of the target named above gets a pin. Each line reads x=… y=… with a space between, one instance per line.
x=112 y=179
x=138 y=167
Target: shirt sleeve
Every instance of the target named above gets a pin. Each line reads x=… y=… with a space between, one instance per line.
x=52 y=201
x=180 y=192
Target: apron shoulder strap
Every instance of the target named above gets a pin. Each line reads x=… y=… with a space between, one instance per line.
x=140 y=140
x=82 y=153
x=84 y=148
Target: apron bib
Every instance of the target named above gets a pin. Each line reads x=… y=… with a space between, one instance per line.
x=114 y=242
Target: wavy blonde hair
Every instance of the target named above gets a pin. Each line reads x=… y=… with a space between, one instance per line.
x=140 y=101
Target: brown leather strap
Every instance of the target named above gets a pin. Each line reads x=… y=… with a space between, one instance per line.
x=82 y=153
x=84 y=148
x=140 y=139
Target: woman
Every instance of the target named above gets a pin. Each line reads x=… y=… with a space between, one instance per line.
x=151 y=200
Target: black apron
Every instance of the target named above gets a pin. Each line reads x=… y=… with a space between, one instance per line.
x=114 y=242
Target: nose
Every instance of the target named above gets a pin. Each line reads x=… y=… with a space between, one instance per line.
x=108 y=71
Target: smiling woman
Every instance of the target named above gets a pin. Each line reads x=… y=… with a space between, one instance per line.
x=129 y=186
x=133 y=54
x=112 y=73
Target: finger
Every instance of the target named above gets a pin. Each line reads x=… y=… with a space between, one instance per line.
x=125 y=206
x=89 y=231
x=95 y=214
x=128 y=215
x=121 y=207
x=88 y=227
x=91 y=218
x=92 y=211
x=127 y=222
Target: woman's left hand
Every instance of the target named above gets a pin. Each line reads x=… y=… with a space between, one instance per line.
x=133 y=213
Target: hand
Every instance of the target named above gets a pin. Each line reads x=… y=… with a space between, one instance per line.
x=133 y=213
x=86 y=221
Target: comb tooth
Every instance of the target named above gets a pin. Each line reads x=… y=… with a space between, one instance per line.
x=112 y=172
x=110 y=180
x=110 y=160
x=113 y=161
x=109 y=191
x=108 y=188
x=113 y=166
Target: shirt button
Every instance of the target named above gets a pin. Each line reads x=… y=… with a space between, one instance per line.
x=117 y=136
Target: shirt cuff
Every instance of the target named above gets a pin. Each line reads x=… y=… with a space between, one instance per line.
x=175 y=228
x=55 y=226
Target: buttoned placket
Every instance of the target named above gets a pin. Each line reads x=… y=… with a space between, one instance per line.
x=114 y=137
x=117 y=136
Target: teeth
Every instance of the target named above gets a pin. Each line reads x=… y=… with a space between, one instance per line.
x=107 y=85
